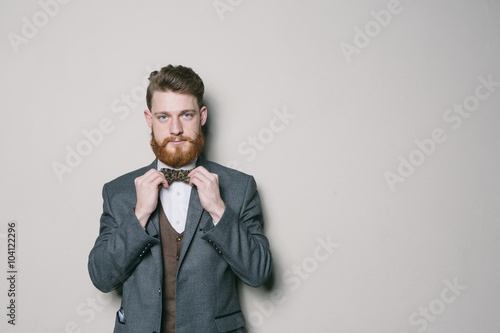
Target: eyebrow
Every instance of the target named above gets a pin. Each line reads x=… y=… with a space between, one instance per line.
x=169 y=113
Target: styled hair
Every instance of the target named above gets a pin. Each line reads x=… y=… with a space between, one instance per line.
x=176 y=79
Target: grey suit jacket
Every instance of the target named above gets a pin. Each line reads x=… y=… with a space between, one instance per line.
x=213 y=258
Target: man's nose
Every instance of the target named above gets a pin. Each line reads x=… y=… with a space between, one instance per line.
x=176 y=126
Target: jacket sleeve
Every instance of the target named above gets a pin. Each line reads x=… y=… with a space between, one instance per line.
x=120 y=246
x=239 y=238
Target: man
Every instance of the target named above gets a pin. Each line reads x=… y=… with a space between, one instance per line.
x=177 y=249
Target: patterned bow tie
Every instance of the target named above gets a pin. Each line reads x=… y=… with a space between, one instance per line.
x=176 y=175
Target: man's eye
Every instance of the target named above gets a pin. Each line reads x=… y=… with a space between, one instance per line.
x=188 y=115
x=163 y=118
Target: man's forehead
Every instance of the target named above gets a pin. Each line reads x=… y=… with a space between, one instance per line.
x=168 y=101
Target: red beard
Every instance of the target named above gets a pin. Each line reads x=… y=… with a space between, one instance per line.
x=178 y=158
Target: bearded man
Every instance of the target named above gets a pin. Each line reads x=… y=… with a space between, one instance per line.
x=177 y=235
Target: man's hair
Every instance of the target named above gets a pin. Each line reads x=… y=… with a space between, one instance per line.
x=176 y=79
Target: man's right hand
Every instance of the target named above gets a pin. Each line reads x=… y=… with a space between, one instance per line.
x=147 y=187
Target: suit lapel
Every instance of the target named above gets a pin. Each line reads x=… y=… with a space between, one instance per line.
x=153 y=226
x=153 y=229
x=195 y=215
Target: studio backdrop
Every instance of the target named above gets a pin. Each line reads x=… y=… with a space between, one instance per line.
x=372 y=129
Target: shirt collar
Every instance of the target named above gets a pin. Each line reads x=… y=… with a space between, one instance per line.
x=192 y=164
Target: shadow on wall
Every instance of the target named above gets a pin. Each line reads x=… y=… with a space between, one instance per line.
x=206 y=128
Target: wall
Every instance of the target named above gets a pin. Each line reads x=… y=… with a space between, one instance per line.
x=372 y=128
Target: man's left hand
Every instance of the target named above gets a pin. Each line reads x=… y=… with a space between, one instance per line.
x=208 y=191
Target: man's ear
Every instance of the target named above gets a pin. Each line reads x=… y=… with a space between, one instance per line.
x=149 y=118
x=203 y=115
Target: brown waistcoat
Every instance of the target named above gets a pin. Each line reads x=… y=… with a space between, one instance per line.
x=171 y=243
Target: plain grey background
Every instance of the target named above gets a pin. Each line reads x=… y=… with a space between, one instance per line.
x=372 y=128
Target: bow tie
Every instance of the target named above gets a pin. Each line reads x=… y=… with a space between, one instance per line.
x=176 y=175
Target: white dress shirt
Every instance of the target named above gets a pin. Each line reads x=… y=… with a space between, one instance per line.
x=175 y=199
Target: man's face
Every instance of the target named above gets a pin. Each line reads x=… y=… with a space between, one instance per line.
x=175 y=120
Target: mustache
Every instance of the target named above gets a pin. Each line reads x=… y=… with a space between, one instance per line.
x=177 y=138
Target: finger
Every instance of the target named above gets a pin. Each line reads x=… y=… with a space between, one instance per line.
x=146 y=176
x=150 y=178
x=163 y=179
x=198 y=179
x=197 y=170
x=153 y=178
x=204 y=174
x=159 y=179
